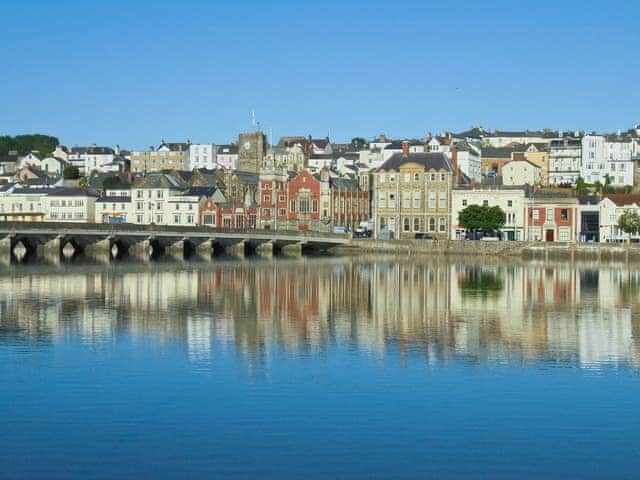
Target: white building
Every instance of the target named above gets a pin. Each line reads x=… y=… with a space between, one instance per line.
x=53 y=165
x=511 y=200
x=227 y=156
x=32 y=159
x=469 y=159
x=520 y=172
x=607 y=156
x=202 y=155
x=611 y=208
x=565 y=156
x=98 y=159
x=47 y=204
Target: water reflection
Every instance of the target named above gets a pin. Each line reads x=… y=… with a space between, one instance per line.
x=494 y=312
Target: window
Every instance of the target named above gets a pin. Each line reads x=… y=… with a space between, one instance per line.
x=549 y=217
x=283 y=212
x=407 y=177
x=176 y=219
x=392 y=178
x=382 y=177
x=314 y=206
x=189 y=218
x=443 y=224
x=432 y=200
x=282 y=198
x=433 y=177
x=443 y=177
x=416 y=224
x=304 y=206
x=416 y=199
x=292 y=206
x=406 y=199
x=535 y=214
x=158 y=219
x=382 y=199
x=405 y=225
x=140 y=205
x=464 y=203
x=266 y=212
x=509 y=203
x=226 y=221
x=266 y=198
x=416 y=177
x=485 y=203
x=392 y=200
x=139 y=218
x=563 y=234
x=159 y=194
x=442 y=201
x=564 y=214
x=432 y=224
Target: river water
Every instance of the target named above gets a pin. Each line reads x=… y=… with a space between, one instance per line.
x=380 y=367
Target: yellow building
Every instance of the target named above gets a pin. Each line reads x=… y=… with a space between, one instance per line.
x=168 y=156
x=538 y=154
x=412 y=193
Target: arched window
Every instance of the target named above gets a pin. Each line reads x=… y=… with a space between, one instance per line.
x=416 y=177
x=416 y=224
x=432 y=224
x=406 y=224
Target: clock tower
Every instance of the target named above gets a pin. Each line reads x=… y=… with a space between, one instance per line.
x=252 y=148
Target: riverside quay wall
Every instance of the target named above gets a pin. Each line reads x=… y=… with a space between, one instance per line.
x=525 y=250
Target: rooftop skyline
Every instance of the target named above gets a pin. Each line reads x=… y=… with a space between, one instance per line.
x=135 y=73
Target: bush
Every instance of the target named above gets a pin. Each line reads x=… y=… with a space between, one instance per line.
x=71 y=173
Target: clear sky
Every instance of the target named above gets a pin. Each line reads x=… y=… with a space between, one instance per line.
x=135 y=72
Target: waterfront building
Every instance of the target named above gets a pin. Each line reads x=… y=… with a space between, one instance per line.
x=512 y=200
x=56 y=204
x=551 y=217
x=306 y=195
x=411 y=194
x=607 y=157
x=494 y=158
x=349 y=204
x=611 y=207
x=564 y=161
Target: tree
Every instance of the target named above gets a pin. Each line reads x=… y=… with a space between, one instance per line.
x=482 y=218
x=629 y=222
x=581 y=186
x=358 y=142
x=25 y=144
x=71 y=173
x=113 y=181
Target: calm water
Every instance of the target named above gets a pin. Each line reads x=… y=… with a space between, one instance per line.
x=316 y=368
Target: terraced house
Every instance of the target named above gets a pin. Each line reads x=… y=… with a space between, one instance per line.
x=412 y=193
x=168 y=156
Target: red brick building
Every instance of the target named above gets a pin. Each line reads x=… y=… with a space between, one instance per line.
x=552 y=220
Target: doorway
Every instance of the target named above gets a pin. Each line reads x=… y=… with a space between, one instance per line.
x=549 y=236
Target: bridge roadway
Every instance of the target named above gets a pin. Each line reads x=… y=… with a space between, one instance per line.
x=20 y=239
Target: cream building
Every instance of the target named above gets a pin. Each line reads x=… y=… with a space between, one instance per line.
x=411 y=194
x=168 y=156
x=511 y=200
x=520 y=172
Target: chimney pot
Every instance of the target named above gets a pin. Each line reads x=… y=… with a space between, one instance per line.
x=405 y=148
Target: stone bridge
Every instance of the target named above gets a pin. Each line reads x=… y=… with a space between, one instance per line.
x=19 y=240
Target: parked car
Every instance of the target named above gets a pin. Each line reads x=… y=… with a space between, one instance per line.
x=342 y=230
x=424 y=236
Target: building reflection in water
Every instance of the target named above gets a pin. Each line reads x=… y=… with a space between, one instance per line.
x=584 y=315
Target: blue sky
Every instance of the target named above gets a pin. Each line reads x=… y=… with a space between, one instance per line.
x=136 y=72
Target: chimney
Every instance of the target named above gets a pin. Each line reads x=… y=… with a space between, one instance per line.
x=426 y=148
x=405 y=148
x=454 y=165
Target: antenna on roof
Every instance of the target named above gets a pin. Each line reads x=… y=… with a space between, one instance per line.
x=253 y=118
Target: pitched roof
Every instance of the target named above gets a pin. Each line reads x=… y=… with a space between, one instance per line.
x=159 y=180
x=502 y=152
x=621 y=199
x=69 y=192
x=345 y=184
x=100 y=151
x=430 y=161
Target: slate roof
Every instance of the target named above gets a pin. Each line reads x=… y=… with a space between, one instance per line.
x=345 y=184
x=175 y=147
x=501 y=152
x=429 y=160
x=159 y=180
x=9 y=158
x=201 y=191
x=69 y=192
x=100 y=151
x=227 y=150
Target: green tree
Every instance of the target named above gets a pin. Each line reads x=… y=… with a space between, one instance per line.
x=358 y=142
x=581 y=186
x=113 y=181
x=71 y=173
x=482 y=218
x=24 y=144
x=629 y=222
